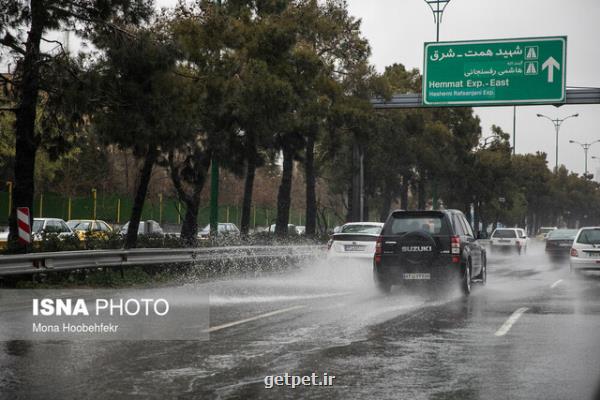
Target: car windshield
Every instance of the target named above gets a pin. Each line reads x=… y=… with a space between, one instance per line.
x=589 y=236
x=403 y=223
x=505 y=233
x=560 y=234
x=372 y=229
x=221 y=228
x=72 y=224
x=82 y=226
x=37 y=226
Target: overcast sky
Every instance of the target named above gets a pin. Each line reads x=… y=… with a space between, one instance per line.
x=397 y=29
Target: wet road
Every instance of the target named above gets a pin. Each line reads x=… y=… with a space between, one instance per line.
x=532 y=333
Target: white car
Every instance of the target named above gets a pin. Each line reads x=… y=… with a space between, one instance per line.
x=148 y=227
x=585 y=251
x=509 y=238
x=544 y=231
x=223 y=229
x=355 y=240
x=45 y=226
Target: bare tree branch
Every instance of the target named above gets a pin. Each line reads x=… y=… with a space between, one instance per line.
x=9 y=41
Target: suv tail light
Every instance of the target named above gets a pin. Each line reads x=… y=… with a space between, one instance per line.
x=455 y=245
x=574 y=252
x=378 y=249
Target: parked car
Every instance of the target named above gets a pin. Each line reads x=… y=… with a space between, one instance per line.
x=89 y=228
x=355 y=240
x=148 y=227
x=543 y=232
x=585 y=251
x=559 y=241
x=50 y=226
x=300 y=230
x=509 y=239
x=291 y=229
x=43 y=227
x=430 y=247
x=223 y=229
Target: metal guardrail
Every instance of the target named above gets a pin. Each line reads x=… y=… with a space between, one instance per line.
x=32 y=263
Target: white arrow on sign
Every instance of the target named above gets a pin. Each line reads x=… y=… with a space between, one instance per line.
x=550 y=63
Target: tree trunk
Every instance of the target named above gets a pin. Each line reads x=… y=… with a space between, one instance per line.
x=26 y=142
x=284 y=195
x=247 y=201
x=140 y=197
x=201 y=164
x=248 y=185
x=356 y=183
x=421 y=194
x=349 y=211
x=404 y=193
x=385 y=207
x=311 y=195
x=189 y=227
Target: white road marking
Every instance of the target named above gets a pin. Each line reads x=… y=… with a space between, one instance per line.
x=216 y=300
x=510 y=321
x=555 y=284
x=243 y=321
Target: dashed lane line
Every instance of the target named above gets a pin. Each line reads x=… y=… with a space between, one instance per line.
x=510 y=321
x=257 y=317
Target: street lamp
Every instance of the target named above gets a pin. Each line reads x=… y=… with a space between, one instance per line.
x=585 y=147
x=437 y=8
x=557 y=123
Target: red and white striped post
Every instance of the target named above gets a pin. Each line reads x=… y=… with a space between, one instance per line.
x=24 y=225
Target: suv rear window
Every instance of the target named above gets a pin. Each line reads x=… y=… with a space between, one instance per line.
x=505 y=233
x=433 y=223
x=374 y=229
x=589 y=236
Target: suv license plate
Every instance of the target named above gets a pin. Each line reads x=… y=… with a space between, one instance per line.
x=417 y=276
x=352 y=247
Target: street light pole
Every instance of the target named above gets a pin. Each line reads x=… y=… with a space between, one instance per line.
x=585 y=147
x=557 y=123
x=595 y=158
x=437 y=8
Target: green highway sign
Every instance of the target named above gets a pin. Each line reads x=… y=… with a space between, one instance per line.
x=490 y=72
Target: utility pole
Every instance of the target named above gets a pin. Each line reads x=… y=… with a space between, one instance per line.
x=557 y=122
x=514 y=130
x=214 y=185
x=437 y=8
x=585 y=147
x=214 y=196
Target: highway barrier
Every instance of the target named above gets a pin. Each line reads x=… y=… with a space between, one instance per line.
x=33 y=263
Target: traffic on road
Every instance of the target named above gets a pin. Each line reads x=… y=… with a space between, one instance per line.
x=528 y=333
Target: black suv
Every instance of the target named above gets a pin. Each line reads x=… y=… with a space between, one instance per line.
x=430 y=246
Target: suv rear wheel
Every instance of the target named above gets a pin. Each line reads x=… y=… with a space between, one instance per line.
x=482 y=277
x=466 y=280
x=381 y=285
